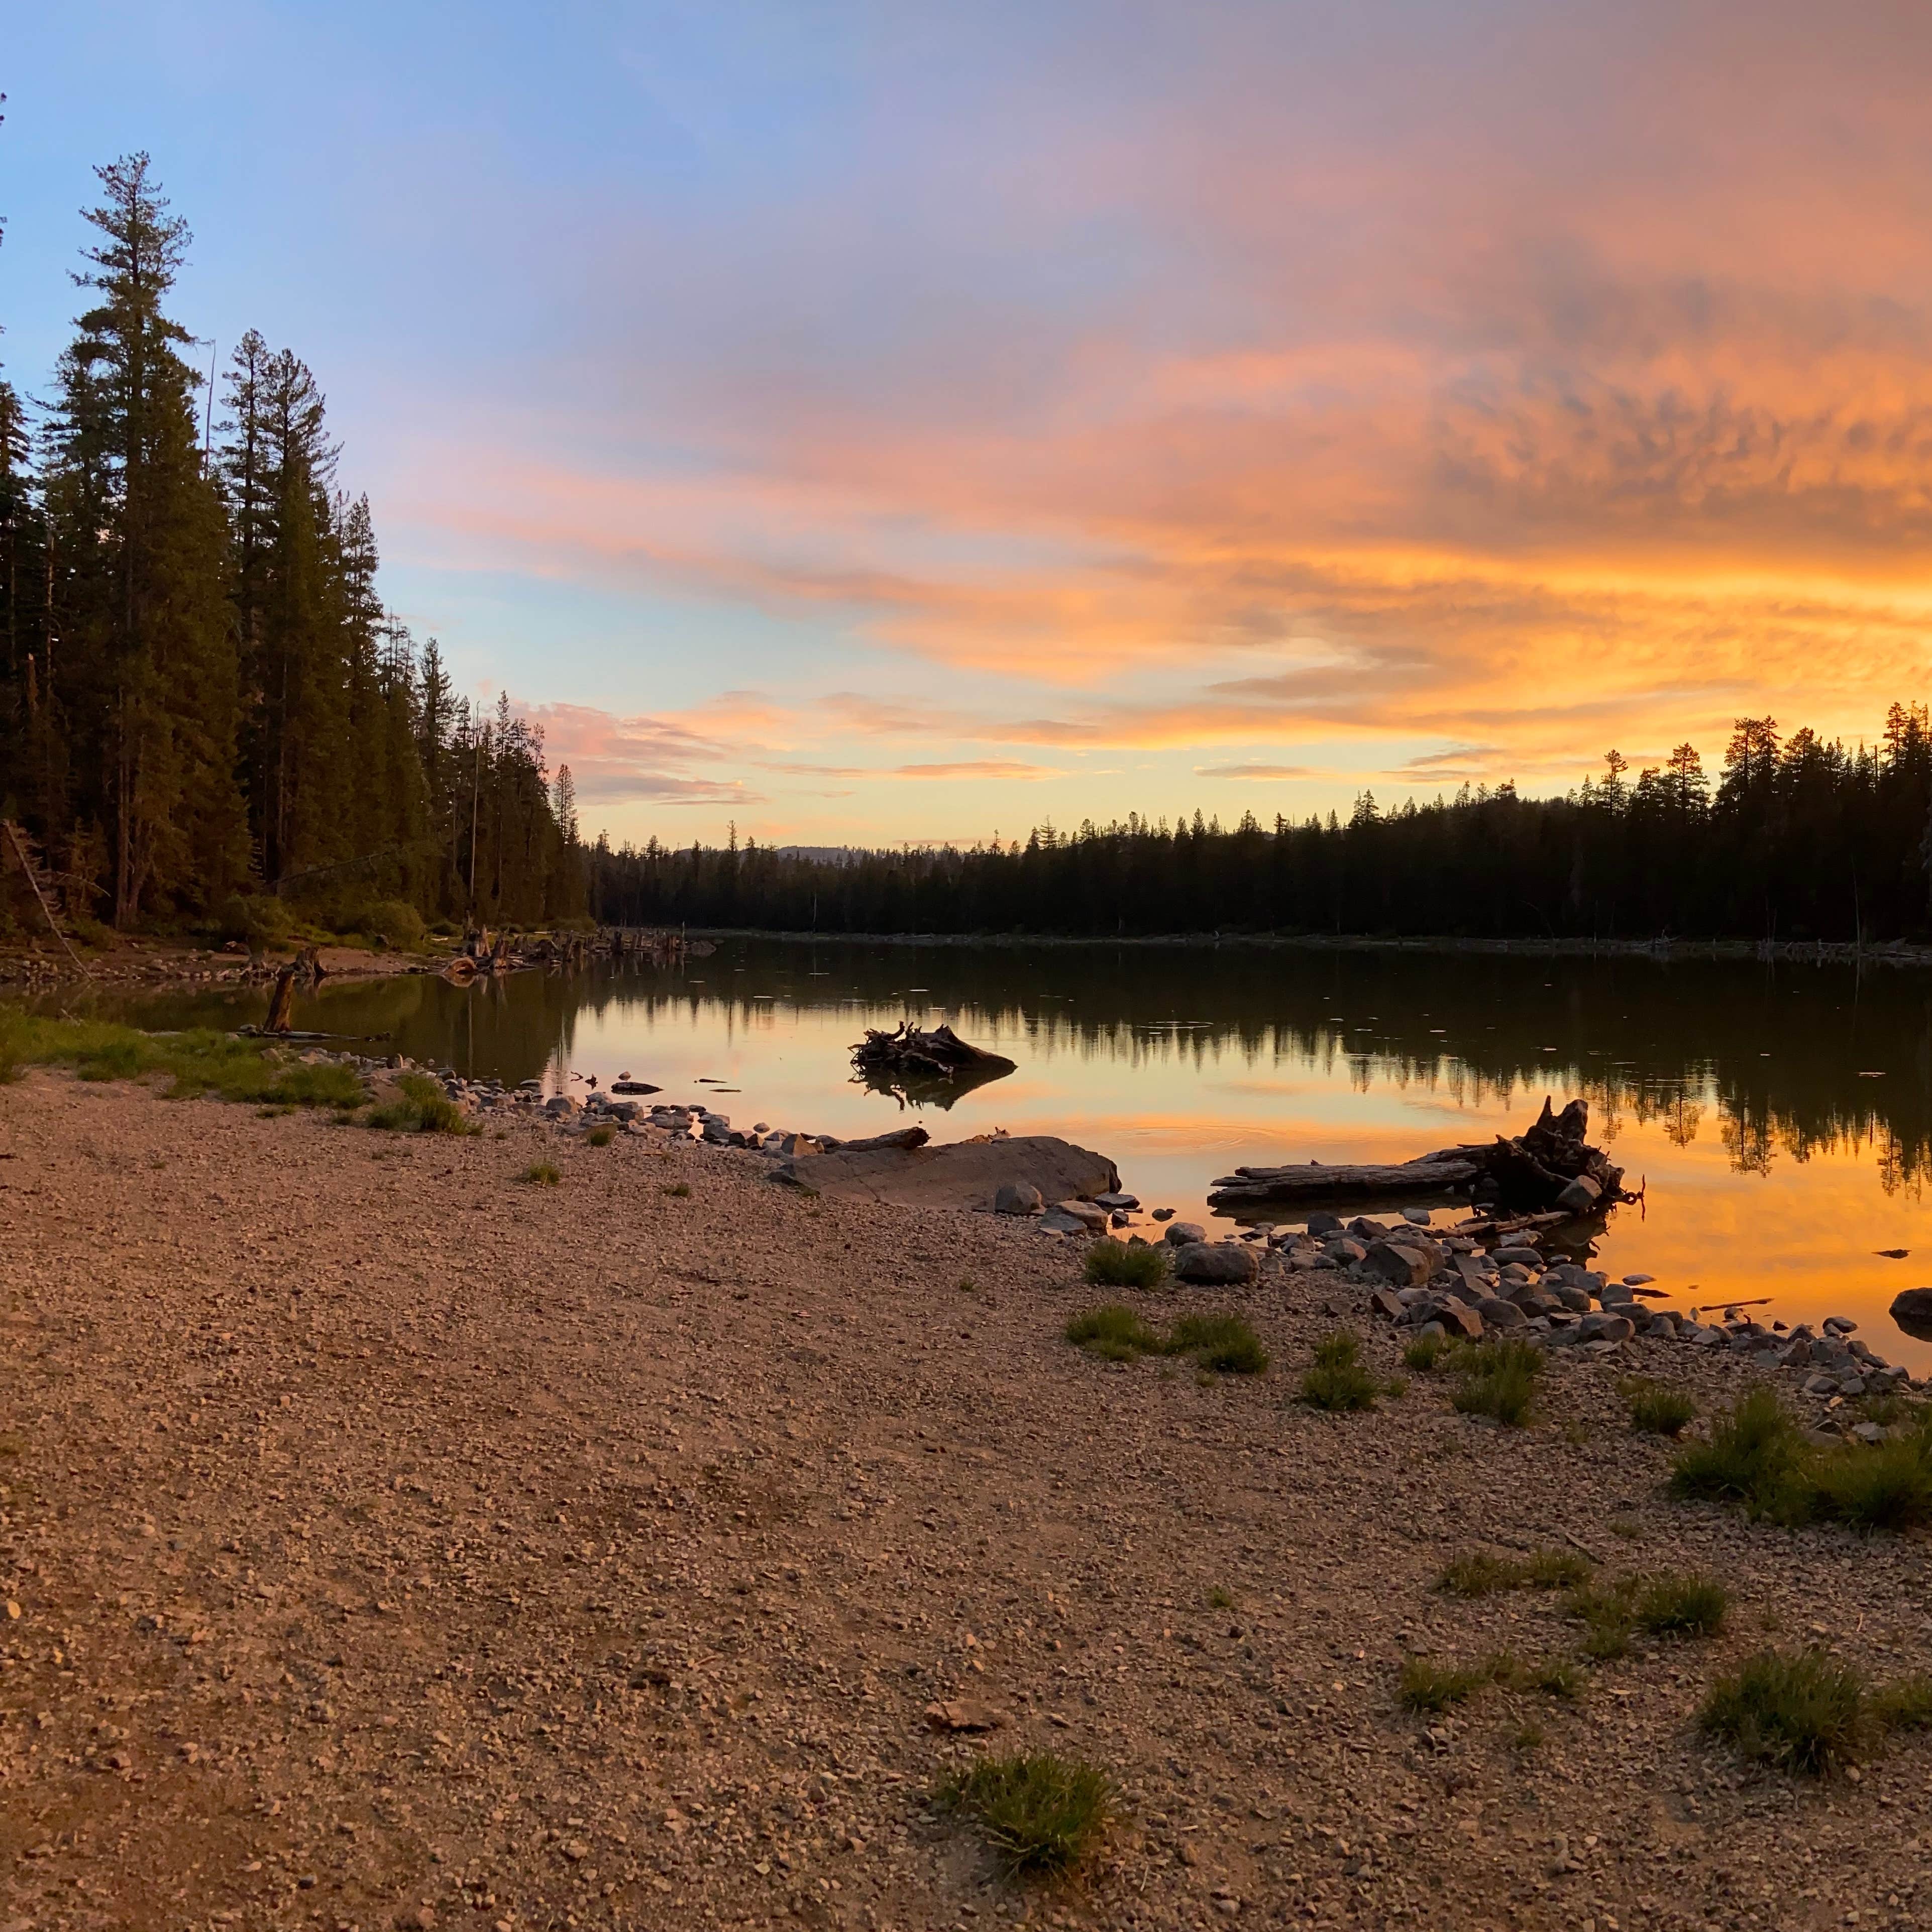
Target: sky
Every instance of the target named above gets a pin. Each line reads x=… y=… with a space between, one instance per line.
x=862 y=423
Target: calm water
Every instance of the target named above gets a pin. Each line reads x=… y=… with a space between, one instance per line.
x=1782 y=1116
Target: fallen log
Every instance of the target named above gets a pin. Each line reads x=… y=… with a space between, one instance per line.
x=1551 y=1167
x=937 y=1054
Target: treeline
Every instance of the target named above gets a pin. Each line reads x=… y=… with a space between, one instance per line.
x=203 y=699
x=1799 y=839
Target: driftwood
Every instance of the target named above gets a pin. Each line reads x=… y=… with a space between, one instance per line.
x=1551 y=1166
x=282 y=1001
x=940 y=1054
x=905 y=1138
x=20 y=844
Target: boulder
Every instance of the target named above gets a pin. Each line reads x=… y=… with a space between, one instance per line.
x=1460 y=1321
x=1216 y=1263
x=1017 y=1197
x=1344 y=1249
x=1386 y=1302
x=1520 y=1252
x=1605 y=1328
x=1364 y=1229
x=1320 y=1224
x=1497 y=1313
x=1912 y=1312
x=1400 y=1264
x=1118 y=1197
x=960 y=1174
x=1185 y=1234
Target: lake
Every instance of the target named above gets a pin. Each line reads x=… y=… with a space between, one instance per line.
x=1781 y=1116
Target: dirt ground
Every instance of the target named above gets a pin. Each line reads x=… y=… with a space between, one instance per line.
x=387 y=1541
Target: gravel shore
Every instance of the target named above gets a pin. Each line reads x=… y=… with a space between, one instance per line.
x=386 y=1541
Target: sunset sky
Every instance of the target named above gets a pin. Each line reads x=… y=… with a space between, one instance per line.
x=874 y=422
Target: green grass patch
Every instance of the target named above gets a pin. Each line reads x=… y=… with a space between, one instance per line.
x=1757 y=1456
x=1220 y=1598
x=1224 y=1343
x=1336 y=1381
x=1114 y=1332
x=1802 y=1712
x=1657 y=1410
x=1041 y=1813
x=196 y=1062
x=1663 y=1603
x=1498 y=1379
x=420 y=1107
x=1905 y=1704
x=1478 y=1573
x=540 y=1174
x=1425 y=1353
x=600 y=1136
x=1425 y=1685
x=1112 y=1263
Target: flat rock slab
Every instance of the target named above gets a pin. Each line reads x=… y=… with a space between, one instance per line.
x=961 y=1173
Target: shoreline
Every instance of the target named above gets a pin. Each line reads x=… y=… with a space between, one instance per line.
x=396 y=1542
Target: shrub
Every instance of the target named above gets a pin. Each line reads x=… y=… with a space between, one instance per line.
x=258 y=919
x=1655 y=1410
x=1223 y=1343
x=1112 y=1263
x=394 y=920
x=1478 y=1573
x=1498 y=1379
x=1802 y=1712
x=1753 y=1456
x=1338 y=1382
x=421 y=1107
x=600 y=1136
x=540 y=1174
x=1425 y=1352
x=1114 y=1333
x=1040 y=1812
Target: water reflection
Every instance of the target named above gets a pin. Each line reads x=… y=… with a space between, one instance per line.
x=1782 y=1115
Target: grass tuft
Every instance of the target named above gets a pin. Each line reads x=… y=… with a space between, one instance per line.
x=540 y=1174
x=1425 y=1352
x=1425 y=1686
x=1114 y=1332
x=1498 y=1379
x=1112 y=1263
x=1885 y=1485
x=1338 y=1382
x=1681 y=1605
x=1478 y=1573
x=600 y=1136
x=1803 y=1712
x=1041 y=1813
x=1905 y=1704
x=1224 y=1343
x=678 y=1191
x=1656 y=1410
x=421 y=1107
x=1754 y=1453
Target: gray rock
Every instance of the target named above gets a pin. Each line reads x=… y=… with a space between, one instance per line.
x=1053 y=1222
x=1459 y=1319
x=1820 y=1386
x=1118 y=1197
x=1093 y=1219
x=1638 y=1280
x=1216 y=1263
x=1344 y=1249
x=1497 y=1313
x=1320 y=1224
x=1163 y=1214
x=1839 y=1324
x=1912 y=1312
x=560 y=1107
x=1873 y=1432
x=1017 y=1197
x=1363 y=1229
x=1797 y=1355
x=1417 y=1217
x=1184 y=1234
x=1386 y=1302
x=1523 y=1254
x=1576 y=1300
x=1606 y=1328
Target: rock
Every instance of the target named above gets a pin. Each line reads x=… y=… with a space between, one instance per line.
x=1363 y=1229
x=1094 y=1219
x=1459 y=1319
x=1184 y=1234
x=1520 y=1253
x=1872 y=1432
x=1797 y=1355
x=963 y=1715
x=1216 y=1263
x=1497 y=1313
x=1344 y=1249
x=1163 y=1214
x=1580 y=1196
x=1399 y=1264
x=1839 y=1324
x=1053 y=1222
x=1432 y=1330
x=1320 y=1224
x=1606 y=1328
x=1912 y=1312
x=560 y=1108
x=1820 y=1386
x=1416 y=1217
x=1120 y=1218
x=1118 y=1197
x=1637 y=1280
x=960 y=1174
x=1386 y=1302
x=1017 y=1197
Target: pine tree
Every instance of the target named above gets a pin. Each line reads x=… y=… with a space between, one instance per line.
x=148 y=676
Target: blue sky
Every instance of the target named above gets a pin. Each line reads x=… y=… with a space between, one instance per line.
x=867 y=422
